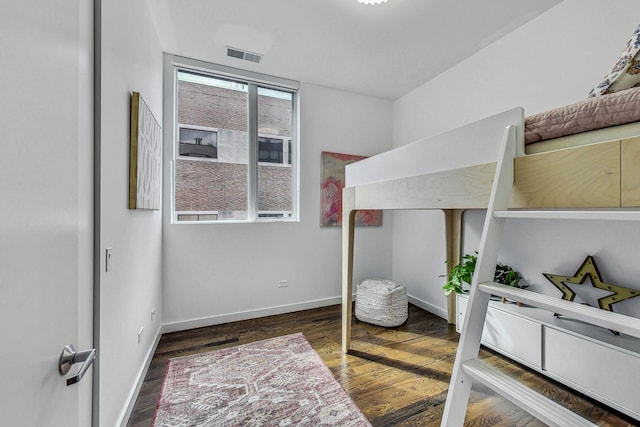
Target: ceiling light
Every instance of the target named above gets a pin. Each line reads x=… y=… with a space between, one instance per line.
x=372 y=1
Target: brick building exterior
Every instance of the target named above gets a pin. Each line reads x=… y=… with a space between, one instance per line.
x=216 y=188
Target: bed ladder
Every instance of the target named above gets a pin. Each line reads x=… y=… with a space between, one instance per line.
x=468 y=367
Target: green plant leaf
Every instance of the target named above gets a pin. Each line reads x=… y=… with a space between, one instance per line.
x=463 y=273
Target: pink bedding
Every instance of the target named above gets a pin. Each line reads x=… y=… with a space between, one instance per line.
x=593 y=113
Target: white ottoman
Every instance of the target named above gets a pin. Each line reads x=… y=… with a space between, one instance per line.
x=381 y=302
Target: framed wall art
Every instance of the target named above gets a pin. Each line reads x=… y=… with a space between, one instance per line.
x=145 y=157
x=331 y=185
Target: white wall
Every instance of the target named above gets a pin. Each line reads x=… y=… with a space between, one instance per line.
x=551 y=61
x=215 y=273
x=131 y=61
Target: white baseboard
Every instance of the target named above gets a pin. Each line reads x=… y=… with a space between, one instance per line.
x=428 y=306
x=142 y=373
x=249 y=314
x=270 y=311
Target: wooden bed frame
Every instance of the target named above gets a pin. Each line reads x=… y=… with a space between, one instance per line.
x=454 y=172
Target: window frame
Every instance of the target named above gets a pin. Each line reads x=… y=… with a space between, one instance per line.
x=172 y=65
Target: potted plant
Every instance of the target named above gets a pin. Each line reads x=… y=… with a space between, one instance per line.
x=463 y=272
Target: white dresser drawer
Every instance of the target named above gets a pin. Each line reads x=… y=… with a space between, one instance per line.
x=515 y=336
x=606 y=373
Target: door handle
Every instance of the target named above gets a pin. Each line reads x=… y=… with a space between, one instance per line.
x=70 y=357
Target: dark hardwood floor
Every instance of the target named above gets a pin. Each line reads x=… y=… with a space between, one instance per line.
x=397 y=376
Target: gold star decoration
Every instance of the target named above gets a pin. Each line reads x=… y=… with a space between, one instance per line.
x=589 y=269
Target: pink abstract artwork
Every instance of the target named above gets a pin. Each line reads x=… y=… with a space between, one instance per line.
x=331 y=186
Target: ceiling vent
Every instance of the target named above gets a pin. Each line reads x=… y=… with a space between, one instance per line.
x=242 y=54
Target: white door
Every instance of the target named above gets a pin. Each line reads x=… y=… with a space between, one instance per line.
x=46 y=225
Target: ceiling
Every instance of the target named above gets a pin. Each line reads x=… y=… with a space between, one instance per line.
x=382 y=50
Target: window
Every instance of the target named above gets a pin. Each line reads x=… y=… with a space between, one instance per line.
x=235 y=143
x=195 y=142
x=269 y=150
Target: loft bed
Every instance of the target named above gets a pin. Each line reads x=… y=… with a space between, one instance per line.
x=592 y=167
x=583 y=156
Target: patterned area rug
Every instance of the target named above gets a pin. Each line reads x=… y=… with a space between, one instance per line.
x=277 y=382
